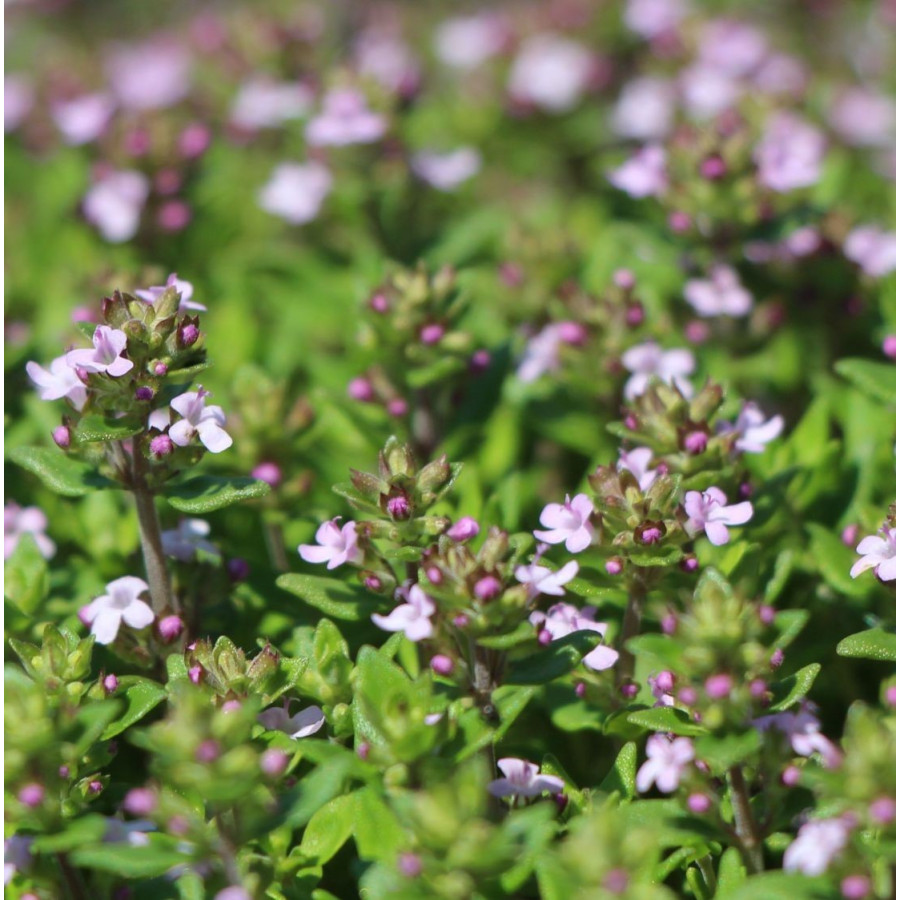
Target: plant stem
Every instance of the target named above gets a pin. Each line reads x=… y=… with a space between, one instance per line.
x=631 y=623
x=744 y=823
x=70 y=876
x=275 y=545
x=151 y=537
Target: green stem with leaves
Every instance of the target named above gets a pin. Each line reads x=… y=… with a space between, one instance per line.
x=744 y=824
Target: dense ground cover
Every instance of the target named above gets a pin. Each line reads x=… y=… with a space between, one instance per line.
x=450 y=452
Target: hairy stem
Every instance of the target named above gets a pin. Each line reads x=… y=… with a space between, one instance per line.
x=151 y=536
x=744 y=823
x=631 y=624
x=274 y=536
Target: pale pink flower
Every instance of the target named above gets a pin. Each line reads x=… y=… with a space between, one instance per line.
x=649 y=360
x=199 y=420
x=121 y=604
x=345 y=119
x=721 y=295
x=183 y=542
x=666 y=762
x=60 y=381
x=637 y=462
x=114 y=204
x=468 y=41
x=654 y=18
x=522 y=779
x=264 y=103
x=30 y=520
x=563 y=619
x=185 y=288
x=781 y=74
x=337 y=545
x=863 y=117
x=412 y=617
x=643 y=174
x=816 y=845
x=732 y=47
x=708 y=512
x=707 y=91
x=550 y=72
x=106 y=357
x=302 y=724
x=541 y=580
x=569 y=522
x=384 y=57
x=803 y=731
x=873 y=250
x=790 y=153
x=644 y=109
x=18 y=100
x=152 y=75
x=446 y=171
x=542 y=351
x=752 y=429
x=295 y=191
x=879 y=552
x=83 y=119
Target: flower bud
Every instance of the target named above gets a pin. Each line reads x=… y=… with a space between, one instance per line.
x=409 y=865
x=687 y=695
x=544 y=637
x=170 y=627
x=372 y=582
x=580 y=689
x=790 y=776
x=624 y=279
x=572 y=333
x=669 y=623
x=95 y=786
x=361 y=389
x=397 y=407
x=696 y=331
x=889 y=346
x=651 y=533
x=139 y=802
x=195 y=673
x=479 y=361
x=698 y=803
x=362 y=750
x=777 y=658
x=110 y=684
x=399 y=508
x=690 y=564
x=193 y=140
x=883 y=810
x=160 y=369
x=238 y=569
x=850 y=534
x=434 y=575
x=855 y=887
x=379 y=303
x=679 y=222
x=634 y=315
x=274 y=762
x=187 y=334
x=161 y=446
x=441 y=664
x=64 y=772
x=766 y=614
x=713 y=168
x=664 y=682
x=207 y=752
x=758 y=689
x=431 y=334
x=62 y=437
x=890 y=696
x=695 y=442
x=487 y=588
x=629 y=690
x=31 y=795
x=614 y=566
x=718 y=686
x=144 y=393
x=269 y=472
x=464 y=529
x=230 y=706
x=461 y=620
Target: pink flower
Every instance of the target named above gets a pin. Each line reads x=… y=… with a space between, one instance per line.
x=121 y=604
x=302 y=724
x=522 y=779
x=152 y=75
x=468 y=41
x=648 y=360
x=569 y=522
x=114 y=204
x=345 y=119
x=200 y=420
x=721 y=295
x=550 y=72
x=752 y=429
x=18 y=99
x=183 y=542
x=83 y=119
x=816 y=845
x=542 y=351
x=666 y=761
x=637 y=462
x=412 y=617
x=185 y=288
x=873 y=250
x=384 y=57
x=732 y=47
x=61 y=381
x=295 y=191
x=264 y=103
x=30 y=520
x=790 y=153
x=644 y=109
x=863 y=117
x=708 y=512
x=337 y=545
x=446 y=171
x=654 y=18
x=563 y=619
x=464 y=529
x=541 y=580
x=106 y=357
x=643 y=175
x=803 y=730
x=879 y=553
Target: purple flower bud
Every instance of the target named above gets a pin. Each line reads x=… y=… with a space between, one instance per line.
x=850 y=534
x=883 y=810
x=790 y=777
x=83 y=616
x=544 y=637
x=269 y=472
x=409 y=865
x=889 y=346
x=690 y=564
x=139 y=802
x=62 y=437
x=464 y=529
x=616 y=881
x=650 y=534
x=274 y=762
x=431 y=334
x=170 y=627
x=188 y=335
x=64 y=772
x=434 y=575
x=461 y=621
x=83 y=314
x=372 y=582
x=631 y=422
x=161 y=446
x=766 y=614
x=890 y=696
x=160 y=369
x=207 y=752
x=31 y=795
x=479 y=361
x=487 y=588
x=561 y=801
x=624 y=278
x=614 y=566
x=580 y=689
x=230 y=706
x=110 y=684
x=95 y=786
x=665 y=681
x=713 y=168
x=698 y=803
x=669 y=623
x=511 y=274
x=758 y=689
x=718 y=686
x=174 y=215
x=362 y=750
x=679 y=222
x=137 y=142
x=193 y=141
x=399 y=508
x=144 y=393
x=634 y=315
x=572 y=333
x=687 y=695
x=629 y=690
x=441 y=664
x=696 y=332
x=745 y=490
x=777 y=658
x=379 y=303
x=695 y=442
x=195 y=673
x=855 y=887
x=361 y=389
x=238 y=569
x=397 y=407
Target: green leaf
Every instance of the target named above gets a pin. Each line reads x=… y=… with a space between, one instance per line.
x=436 y=371
x=788 y=691
x=662 y=651
x=88 y=829
x=350 y=603
x=25 y=576
x=721 y=753
x=208 y=493
x=141 y=695
x=732 y=873
x=667 y=718
x=92 y=720
x=128 y=861
x=328 y=830
x=557 y=659
x=104 y=428
x=789 y=623
x=665 y=556
x=780 y=886
x=620 y=777
x=60 y=473
x=784 y=565
x=876 y=379
x=522 y=634
x=876 y=643
x=376 y=829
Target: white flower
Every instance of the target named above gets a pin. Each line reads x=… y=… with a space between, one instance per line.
x=666 y=761
x=263 y=103
x=643 y=174
x=752 y=429
x=295 y=191
x=445 y=171
x=183 y=542
x=200 y=420
x=644 y=109
x=61 y=381
x=83 y=119
x=541 y=580
x=30 y=520
x=708 y=512
x=114 y=204
x=412 y=618
x=568 y=522
x=550 y=72
x=106 y=357
x=185 y=288
x=637 y=462
x=345 y=119
x=816 y=845
x=302 y=724
x=721 y=295
x=873 y=250
x=468 y=41
x=879 y=553
x=649 y=359
x=120 y=604
x=337 y=545
x=523 y=779
x=563 y=619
